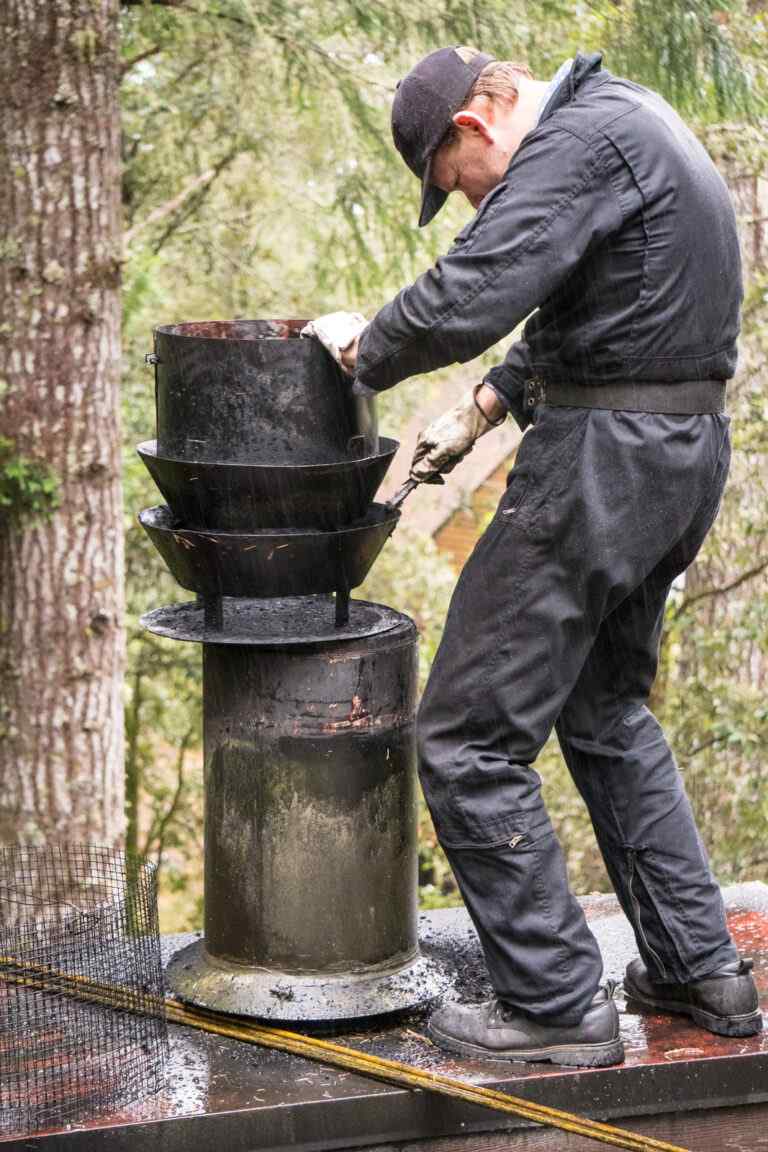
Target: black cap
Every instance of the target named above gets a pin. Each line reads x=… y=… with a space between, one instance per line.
x=425 y=102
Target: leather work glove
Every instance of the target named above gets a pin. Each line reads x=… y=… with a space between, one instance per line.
x=449 y=438
x=337 y=331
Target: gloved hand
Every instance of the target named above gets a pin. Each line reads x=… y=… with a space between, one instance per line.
x=449 y=438
x=337 y=331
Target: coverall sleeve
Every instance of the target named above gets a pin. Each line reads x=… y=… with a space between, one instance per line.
x=508 y=380
x=555 y=201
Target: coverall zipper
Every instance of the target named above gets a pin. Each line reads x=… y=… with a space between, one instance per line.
x=638 y=921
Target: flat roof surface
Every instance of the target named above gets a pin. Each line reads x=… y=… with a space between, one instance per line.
x=229 y=1096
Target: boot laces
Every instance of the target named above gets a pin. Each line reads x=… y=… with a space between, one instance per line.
x=499 y=1011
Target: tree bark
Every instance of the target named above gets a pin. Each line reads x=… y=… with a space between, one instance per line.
x=61 y=598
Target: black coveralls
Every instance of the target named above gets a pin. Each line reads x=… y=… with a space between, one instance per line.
x=611 y=219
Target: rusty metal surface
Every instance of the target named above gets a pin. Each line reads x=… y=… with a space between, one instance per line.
x=235 y=329
x=252 y=391
x=269 y=563
x=226 y=1095
x=226 y=496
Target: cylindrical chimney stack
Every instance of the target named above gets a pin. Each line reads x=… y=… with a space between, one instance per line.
x=269 y=464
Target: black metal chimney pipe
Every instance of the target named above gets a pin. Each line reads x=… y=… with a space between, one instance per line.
x=253 y=391
x=309 y=710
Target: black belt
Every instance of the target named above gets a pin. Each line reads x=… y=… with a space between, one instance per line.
x=678 y=397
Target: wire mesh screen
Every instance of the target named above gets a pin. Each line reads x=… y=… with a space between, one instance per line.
x=82 y=1020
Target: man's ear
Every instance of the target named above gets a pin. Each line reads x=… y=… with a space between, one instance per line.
x=475 y=123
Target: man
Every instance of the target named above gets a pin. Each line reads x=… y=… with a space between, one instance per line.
x=601 y=214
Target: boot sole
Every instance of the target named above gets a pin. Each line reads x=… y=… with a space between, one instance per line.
x=573 y=1055
x=748 y=1024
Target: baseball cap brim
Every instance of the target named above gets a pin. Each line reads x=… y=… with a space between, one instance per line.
x=432 y=197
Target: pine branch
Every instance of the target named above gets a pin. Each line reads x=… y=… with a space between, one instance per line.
x=719 y=589
x=159 y=827
x=126 y=66
x=194 y=197
x=713 y=740
x=203 y=180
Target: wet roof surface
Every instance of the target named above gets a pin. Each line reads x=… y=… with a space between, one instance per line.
x=229 y=1095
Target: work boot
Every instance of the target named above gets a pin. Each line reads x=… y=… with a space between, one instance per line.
x=496 y=1031
x=724 y=1002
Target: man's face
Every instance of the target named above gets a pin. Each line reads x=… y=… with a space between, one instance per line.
x=478 y=155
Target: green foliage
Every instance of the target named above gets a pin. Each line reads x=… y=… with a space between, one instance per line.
x=162 y=695
x=29 y=489
x=705 y=56
x=287 y=108
x=412 y=575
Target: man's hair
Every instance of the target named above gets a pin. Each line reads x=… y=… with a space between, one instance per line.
x=498 y=80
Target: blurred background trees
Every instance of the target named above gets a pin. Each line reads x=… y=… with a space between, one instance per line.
x=259 y=179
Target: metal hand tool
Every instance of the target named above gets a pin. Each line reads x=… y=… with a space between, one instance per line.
x=402 y=492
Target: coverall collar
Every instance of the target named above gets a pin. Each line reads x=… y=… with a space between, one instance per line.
x=584 y=67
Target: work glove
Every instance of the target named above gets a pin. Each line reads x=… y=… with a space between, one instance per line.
x=449 y=438
x=336 y=331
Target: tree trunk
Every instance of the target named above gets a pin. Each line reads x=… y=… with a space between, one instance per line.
x=61 y=599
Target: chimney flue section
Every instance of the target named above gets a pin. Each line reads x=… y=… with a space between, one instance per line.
x=269 y=465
